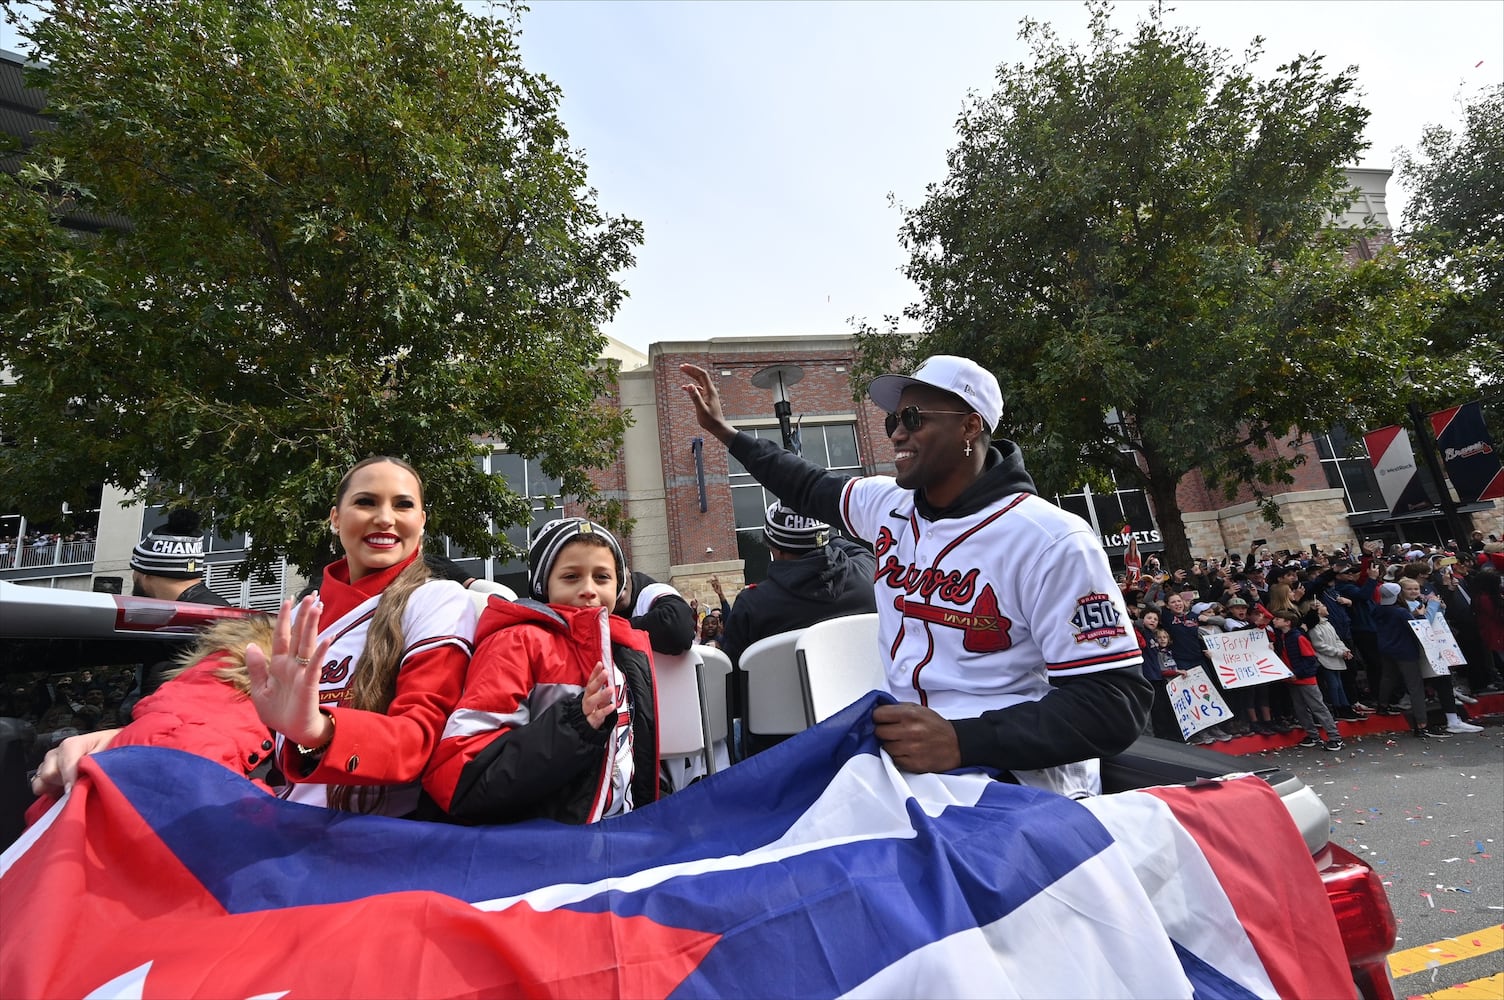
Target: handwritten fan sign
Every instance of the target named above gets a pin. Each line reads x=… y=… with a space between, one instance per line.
x=1244 y=658
x=1442 y=651
x=1197 y=703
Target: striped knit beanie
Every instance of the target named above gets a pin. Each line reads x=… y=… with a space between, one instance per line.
x=791 y=531
x=551 y=541
x=174 y=550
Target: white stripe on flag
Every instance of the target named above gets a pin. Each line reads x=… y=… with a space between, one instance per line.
x=1047 y=948
x=865 y=801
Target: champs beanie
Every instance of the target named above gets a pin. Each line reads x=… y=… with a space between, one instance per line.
x=793 y=532
x=545 y=550
x=174 y=550
x=1389 y=593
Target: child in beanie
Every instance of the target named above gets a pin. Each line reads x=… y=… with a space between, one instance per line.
x=545 y=725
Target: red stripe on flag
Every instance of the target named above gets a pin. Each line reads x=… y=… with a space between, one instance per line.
x=1267 y=882
x=127 y=903
x=1441 y=418
x=1379 y=441
x=73 y=862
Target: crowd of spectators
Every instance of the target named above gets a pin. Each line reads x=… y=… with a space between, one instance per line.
x=1329 y=597
x=42 y=547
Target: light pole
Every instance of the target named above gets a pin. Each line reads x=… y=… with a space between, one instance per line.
x=778 y=378
x=1449 y=512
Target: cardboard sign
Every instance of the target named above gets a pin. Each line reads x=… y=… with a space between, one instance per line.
x=1442 y=651
x=1244 y=658
x=1197 y=703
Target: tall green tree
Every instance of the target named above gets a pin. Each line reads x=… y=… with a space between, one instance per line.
x=1136 y=236
x=1454 y=232
x=354 y=227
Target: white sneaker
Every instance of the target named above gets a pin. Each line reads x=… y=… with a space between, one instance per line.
x=1463 y=727
x=1465 y=698
x=1403 y=704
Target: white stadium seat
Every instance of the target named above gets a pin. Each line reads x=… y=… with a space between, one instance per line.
x=839 y=663
x=714 y=669
x=775 y=705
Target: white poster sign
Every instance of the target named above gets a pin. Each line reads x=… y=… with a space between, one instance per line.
x=1245 y=658
x=1442 y=651
x=1197 y=702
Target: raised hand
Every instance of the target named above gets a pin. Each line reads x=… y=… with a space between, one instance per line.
x=285 y=684
x=706 y=398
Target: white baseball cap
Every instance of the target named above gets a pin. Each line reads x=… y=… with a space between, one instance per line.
x=960 y=376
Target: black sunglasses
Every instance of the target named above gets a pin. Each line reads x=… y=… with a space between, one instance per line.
x=913 y=418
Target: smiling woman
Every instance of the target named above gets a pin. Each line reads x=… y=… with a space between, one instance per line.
x=359 y=682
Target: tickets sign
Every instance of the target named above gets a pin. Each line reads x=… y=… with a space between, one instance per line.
x=1244 y=658
x=1197 y=703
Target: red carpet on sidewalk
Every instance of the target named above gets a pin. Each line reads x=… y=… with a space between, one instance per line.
x=1488 y=704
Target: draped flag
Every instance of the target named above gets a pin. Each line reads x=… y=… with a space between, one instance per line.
x=1471 y=458
x=1393 y=461
x=813 y=869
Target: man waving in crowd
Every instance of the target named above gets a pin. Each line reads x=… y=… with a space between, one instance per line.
x=1004 y=635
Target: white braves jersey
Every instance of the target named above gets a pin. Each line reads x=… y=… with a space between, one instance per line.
x=439 y=613
x=978 y=612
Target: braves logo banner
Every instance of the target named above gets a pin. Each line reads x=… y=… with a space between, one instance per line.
x=1393 y=461
x=814 y=869
x=1471 y=459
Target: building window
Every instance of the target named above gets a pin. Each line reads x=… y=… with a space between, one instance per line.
x=526 y=477
x=830 y=446
x=1344 y=461
x=1108 y=513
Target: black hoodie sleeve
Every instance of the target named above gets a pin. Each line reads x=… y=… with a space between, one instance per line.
x=801 y=485
x=1091 y=715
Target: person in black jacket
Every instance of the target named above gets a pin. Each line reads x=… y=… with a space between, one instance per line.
x=168 y=564
x=812 y=577
x=660 y=611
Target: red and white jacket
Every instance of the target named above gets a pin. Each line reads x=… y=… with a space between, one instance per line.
x=388 y=749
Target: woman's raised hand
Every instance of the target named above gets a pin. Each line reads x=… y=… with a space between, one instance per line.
x=285 y=684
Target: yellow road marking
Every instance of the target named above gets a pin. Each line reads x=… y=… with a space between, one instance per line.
x=1446 y=951
x=1491 y=988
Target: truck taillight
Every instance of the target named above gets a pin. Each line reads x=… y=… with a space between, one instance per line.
x=135 y=614
x=1363 y=917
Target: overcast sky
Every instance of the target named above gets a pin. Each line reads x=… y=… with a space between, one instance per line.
x=759 y=142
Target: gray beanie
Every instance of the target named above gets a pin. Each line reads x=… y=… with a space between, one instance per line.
x=174 y=550
x=545 y=550
x=793 y=532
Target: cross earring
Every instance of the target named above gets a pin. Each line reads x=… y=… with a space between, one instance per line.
x=968 y=449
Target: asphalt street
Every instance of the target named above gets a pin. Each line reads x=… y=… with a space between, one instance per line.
x=1429 y=816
